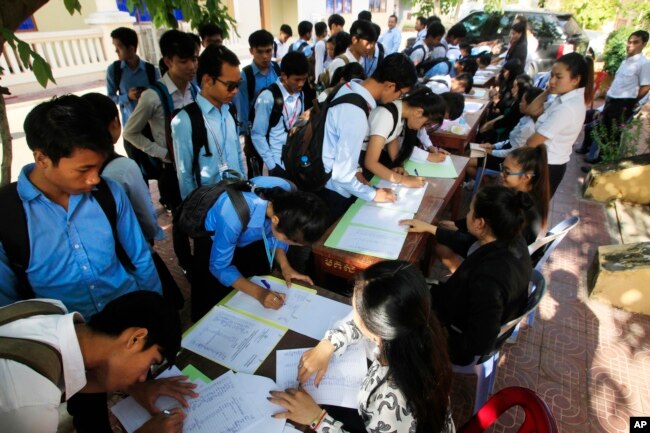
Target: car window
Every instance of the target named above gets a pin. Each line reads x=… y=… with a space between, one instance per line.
x=571 y=26
x=475 y=23
x=504 y=24
x=551 y=27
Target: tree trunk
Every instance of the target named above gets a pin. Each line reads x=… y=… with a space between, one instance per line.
x=5 y=169
x=14 y=12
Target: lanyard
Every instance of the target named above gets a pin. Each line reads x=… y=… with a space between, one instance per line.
x=224 y=165
x=270 y=255
x=288 y=122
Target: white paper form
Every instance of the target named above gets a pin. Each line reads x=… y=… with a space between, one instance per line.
x=132 y=415
x=341 y=382
x=255 y=390
x=304 y=312
x=232 y=339
x=372 y=242
x=472 y=107
x=408 y=199
x=221 y=408
x=381 y=218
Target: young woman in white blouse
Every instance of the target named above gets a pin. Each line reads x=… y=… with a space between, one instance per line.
x=571 y=80
x=390 y=144
x=407 y=386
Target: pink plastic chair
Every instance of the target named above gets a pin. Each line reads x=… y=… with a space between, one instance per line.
x=538 y=417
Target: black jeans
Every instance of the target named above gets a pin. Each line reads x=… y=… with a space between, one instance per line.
x=555 y=174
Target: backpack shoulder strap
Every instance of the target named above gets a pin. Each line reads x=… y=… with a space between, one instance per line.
x=382 y=52
x=392 y=108
x=232 y=109
x=14 y=235
x=117 y=74
x=199 y=137
x=151 y=72
x=104 y=197
x=241 y=207
x=165 y=98
x=276 y=68
x=278 y=105
x=349 y=98
x=25 y=309
x=275 y=49
x=345 y=58
x=250 y=83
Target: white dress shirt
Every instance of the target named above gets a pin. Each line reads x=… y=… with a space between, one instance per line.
x=321 y=58
x=517 y=138
x=633 y=73
x=561 y=124
x=418 y=54
x=28 y=401
x=338 y=63
x=381 y=123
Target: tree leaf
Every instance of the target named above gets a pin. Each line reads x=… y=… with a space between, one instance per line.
x=72 y=6
x=42 y=71
x=24 y=51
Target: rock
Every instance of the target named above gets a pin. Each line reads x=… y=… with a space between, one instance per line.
x=627 y=179
x=619 y=276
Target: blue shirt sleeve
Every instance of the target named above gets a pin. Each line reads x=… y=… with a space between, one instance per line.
x=227 y=228
x=181 y=127
x=263 y=107
x=112 y=87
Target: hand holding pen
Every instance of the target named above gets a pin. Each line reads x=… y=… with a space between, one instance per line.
x=272 y=299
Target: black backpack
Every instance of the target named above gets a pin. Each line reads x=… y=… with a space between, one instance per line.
x=14 y=233
x=250 y=80
x=190 y=216
x=276 y=111
x=413 y=48
x=303 y=154
x=423 y=67
x=117 y=73
x=300 y=48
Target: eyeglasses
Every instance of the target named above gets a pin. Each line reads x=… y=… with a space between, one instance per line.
x=230 y=85
x=507 y=172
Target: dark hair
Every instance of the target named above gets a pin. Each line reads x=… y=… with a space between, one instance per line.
x=335 y=19
x=294 y=63
x=519 y=27
x=467 y=81
x=304 y=27
x=207 y=30
x=433 y=19
x=469 y=65
x=286 y=29
x=535 y=160
x=396 y=68
x=393 y=16
x=351 y=71
x=524 y=82
x=59 y=126
x=455 y=104
x=212 y=59
x=514 y=69
x=142 y=309
x=532 y=93
x=435 y=29
x=342 y=41
x=579 y=65
x=320 y=28
x=260 y=38
x=162 y=66
x=377 y=29
x=484 y=59
x=642 y=34
x=394 y=303
x=457 y=31
x=176 y=43
x=196 y=39
x=422 y=19
x=364 y=15
x=129 y=38
x=503 y=210
x=303 y=216
x=362 y=29
x=105 y=108
x=465 y=47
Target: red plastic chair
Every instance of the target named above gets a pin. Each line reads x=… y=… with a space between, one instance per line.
x=539 y=418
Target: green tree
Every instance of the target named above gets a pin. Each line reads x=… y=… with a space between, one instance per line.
x=15 y=12
x=592 y=14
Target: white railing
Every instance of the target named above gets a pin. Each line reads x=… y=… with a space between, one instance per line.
x=69 y=53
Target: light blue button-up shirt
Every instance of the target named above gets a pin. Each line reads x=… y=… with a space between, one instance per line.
x=262 y=81
x=72 y=255
x=130 y=78
x=222 y=133
x=307 y=50
x=223 y=219
x=271 y=150
x=370 y=63
x=346 y=126
x=391 y=40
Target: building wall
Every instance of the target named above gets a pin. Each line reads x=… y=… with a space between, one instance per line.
x=283 y=12
x=53 y=16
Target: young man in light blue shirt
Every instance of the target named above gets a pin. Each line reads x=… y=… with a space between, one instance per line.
x=303 y=44
x=275 y=118
x=219 y=74
x=392 y=38
x=346 y=126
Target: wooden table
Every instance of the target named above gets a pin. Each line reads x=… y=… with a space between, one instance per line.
x=439 y=194
x=456 y=143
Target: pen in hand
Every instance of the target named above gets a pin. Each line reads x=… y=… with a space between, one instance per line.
x=266 y=284
x=416 y=172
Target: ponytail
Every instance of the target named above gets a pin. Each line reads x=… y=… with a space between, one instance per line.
x=534 y=159
x=503 y=209
x=579 y=65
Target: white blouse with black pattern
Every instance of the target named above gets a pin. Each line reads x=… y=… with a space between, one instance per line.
x=382 y=405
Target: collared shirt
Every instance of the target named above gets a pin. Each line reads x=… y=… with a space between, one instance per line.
x=439 y=84
x=370 y=63
x=633 y=73
x=421 y=35
x=381 y=123
x=391 y=40
x=223 y=219
x=339 y=63
x=223 y=142
x=418 y=54
x=130 y=78
x=321 y=59
x=346 y=126
x=150 y=110
x=241 y=100
x=517 y=138
x=307 y=50
x=561 y=124
x=271 y=150
x=73 y=252
x=126 y=172
x=440 y=50
x=29 y=402
x=283 y=47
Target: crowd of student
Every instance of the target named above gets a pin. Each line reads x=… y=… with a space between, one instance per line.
x=81 y=223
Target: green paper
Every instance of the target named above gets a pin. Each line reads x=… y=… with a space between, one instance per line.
x=428 y=169
x=194 y=374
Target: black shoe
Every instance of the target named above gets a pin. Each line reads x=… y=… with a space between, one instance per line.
x=592 y=161
x=585 y=169
x=582 y=151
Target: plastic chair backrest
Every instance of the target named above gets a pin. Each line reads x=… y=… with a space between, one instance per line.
x=538 y=417
x=541 y=249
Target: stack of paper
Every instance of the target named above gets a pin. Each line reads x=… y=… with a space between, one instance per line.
x=472 y=107
x=341 y=383
x=234 y=340
x=443 y=169
x=408 y=199
x=303 y=311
